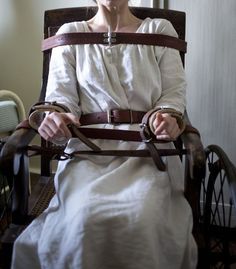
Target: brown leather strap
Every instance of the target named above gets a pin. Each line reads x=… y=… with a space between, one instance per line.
x=114 y=39
x=131 y=153
x=113 y=116
x=113 y=134
x=84 y=139
x=145 y=132
x=59 y=154
x=48 y=106
x=147 y=137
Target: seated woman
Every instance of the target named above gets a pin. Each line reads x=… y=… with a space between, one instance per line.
x=113 y=212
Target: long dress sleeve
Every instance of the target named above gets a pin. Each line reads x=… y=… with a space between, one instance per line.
x=62 y=81
x=172 y=75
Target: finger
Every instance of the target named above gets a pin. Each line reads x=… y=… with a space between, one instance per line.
x=55 y=125
x=168 y=129
x=62 y=129
x=159 y=117
x=173 y=128
x=71 y=118
x=175 y=132
x=58 y=122
x=163 y=137
x=161 y=127
x=44 y=134
x=46 y=127
x=157 y=121
x=171 y=122
x=49 y=128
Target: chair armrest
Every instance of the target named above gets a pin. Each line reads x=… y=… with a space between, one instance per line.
x=14 y=146
x=196 y=155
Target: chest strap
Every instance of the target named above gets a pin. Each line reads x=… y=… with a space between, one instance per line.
x=114 y=39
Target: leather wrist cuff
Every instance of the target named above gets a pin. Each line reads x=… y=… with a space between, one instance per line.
x=38 y=110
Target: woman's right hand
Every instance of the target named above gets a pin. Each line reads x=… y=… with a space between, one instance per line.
x=54 y=126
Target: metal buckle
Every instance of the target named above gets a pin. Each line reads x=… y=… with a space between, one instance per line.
x=109 y=116
x=146 y=133
x=109 y=38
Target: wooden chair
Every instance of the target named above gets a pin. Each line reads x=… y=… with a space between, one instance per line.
x=14 y=154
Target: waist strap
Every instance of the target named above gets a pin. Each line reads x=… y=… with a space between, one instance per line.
x=113 y=116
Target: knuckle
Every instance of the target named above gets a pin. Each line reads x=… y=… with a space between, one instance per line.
x=53 y=114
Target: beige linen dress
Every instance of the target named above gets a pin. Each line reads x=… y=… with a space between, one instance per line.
x=114 y=212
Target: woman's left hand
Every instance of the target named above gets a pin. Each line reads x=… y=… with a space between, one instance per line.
x=166 y=127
